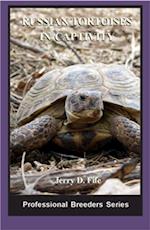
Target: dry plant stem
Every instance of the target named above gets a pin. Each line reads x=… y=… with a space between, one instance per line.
x=22 y=169
x=131 y=182
x=26 y=86
x=25 y=45
x=129 y=61
x=28 y=188
x=71 y=48
x=47 y=182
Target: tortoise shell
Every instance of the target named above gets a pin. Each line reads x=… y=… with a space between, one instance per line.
x=118 y=85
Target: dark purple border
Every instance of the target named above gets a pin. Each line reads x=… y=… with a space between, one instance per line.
x=65 y=222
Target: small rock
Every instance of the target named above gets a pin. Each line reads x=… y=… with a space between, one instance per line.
x=117 y=187
x=41 y=167
x=27 y=166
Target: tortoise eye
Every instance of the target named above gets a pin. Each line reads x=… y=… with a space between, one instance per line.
x=82 y=97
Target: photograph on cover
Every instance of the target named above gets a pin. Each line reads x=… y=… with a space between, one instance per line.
x=75 y=101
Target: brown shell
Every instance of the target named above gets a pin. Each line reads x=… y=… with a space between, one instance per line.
x=118 y=85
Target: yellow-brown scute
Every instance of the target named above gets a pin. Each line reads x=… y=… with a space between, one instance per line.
x=81 y=141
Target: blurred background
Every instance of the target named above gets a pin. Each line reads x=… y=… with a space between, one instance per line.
x=30 y=57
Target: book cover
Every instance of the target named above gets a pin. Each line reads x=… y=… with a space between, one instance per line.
x=75 y=86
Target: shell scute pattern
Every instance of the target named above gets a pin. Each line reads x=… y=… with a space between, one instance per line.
x=39 y=97
x=118 y=85
x=79 y=77
x=120 y=80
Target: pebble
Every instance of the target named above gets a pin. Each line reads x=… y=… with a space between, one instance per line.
x=27 y=166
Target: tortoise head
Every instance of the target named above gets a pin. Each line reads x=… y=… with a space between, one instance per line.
x=84 y=107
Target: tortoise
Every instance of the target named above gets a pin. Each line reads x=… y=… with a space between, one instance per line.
x=79 y=108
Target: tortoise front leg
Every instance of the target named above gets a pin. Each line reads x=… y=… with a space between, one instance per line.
x=127 y=132
x=32 y=135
